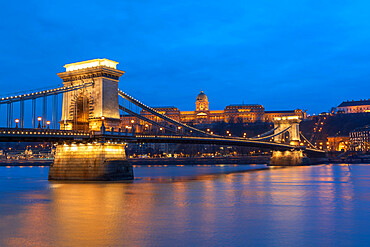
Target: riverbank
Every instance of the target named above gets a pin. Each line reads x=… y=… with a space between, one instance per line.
x=160 y=161
x=244 y=160
x=202 y=160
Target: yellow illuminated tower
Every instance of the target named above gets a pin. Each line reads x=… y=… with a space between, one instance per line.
x=202 y=104
x=89 y=107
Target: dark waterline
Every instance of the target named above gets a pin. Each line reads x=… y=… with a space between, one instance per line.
x=325 y=205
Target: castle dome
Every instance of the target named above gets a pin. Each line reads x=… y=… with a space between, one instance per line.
x=202 y=97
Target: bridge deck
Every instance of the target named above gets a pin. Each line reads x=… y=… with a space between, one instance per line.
x=52 y=135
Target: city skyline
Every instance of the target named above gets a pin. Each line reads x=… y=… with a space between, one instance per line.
x=308 y=55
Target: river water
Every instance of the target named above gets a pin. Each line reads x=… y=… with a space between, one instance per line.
x=324 y=205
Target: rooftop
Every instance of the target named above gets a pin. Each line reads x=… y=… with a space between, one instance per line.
x=244 y=105
x=290 y=111
x=355 y=103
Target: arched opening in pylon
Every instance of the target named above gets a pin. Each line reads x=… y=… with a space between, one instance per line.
x=81 y=110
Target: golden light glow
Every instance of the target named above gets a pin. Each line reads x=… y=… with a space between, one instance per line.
x=17 y=120
x=39 y=118
x=286 y=118
x=90 y=64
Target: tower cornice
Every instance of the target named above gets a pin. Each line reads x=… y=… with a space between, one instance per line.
x=92 y=72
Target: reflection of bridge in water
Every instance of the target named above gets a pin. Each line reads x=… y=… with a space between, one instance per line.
x=90 y=142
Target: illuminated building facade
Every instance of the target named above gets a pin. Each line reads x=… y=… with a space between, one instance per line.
x=242 y=113
x=337 y=143
x=360 y=139
x=359 y=106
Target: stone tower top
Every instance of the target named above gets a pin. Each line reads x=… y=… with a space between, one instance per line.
x=90 y=64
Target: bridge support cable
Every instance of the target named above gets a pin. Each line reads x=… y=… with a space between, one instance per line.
x=132 y=113
x=21 y=113
x=54 y=113
x=270 y=136
x=33 y=113
x=154 y=112
x=44 y=111
x=39 y=94
x=9 y=114
x=309 y=143
x=264 y=134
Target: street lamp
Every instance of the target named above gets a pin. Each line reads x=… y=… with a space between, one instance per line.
x=146 y=128
x=102 y=123
x=16 y=122
x=48 y=123
x=39 y=119
x=132 y=125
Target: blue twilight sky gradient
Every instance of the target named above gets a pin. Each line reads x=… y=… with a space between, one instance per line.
x=309 y=54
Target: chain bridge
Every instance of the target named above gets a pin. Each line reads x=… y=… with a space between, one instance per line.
x=90 y=139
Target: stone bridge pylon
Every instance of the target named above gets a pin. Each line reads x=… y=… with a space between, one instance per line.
x=293 y=134
x=87 y=108
x=292 y=137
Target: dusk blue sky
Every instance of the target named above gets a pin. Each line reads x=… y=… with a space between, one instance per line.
x=281 y=54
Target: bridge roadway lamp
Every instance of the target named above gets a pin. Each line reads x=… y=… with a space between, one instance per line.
x=132 y=125
x=16 y=122
x=48 y=124
x=102 y=128
x=39 y=119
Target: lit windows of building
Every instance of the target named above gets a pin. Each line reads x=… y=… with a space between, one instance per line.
x=360 y=106
x=360 y=139
x=338 y=143
x=239 y=113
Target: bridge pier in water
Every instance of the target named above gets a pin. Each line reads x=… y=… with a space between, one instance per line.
x=289 y=158
x=90 y=162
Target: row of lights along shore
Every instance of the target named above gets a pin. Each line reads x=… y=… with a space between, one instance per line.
x=38 y=119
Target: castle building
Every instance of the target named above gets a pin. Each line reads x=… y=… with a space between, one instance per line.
x=241 y=113
x=359 y=106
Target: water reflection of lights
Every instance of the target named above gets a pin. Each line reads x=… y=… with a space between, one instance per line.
x=290 y=201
